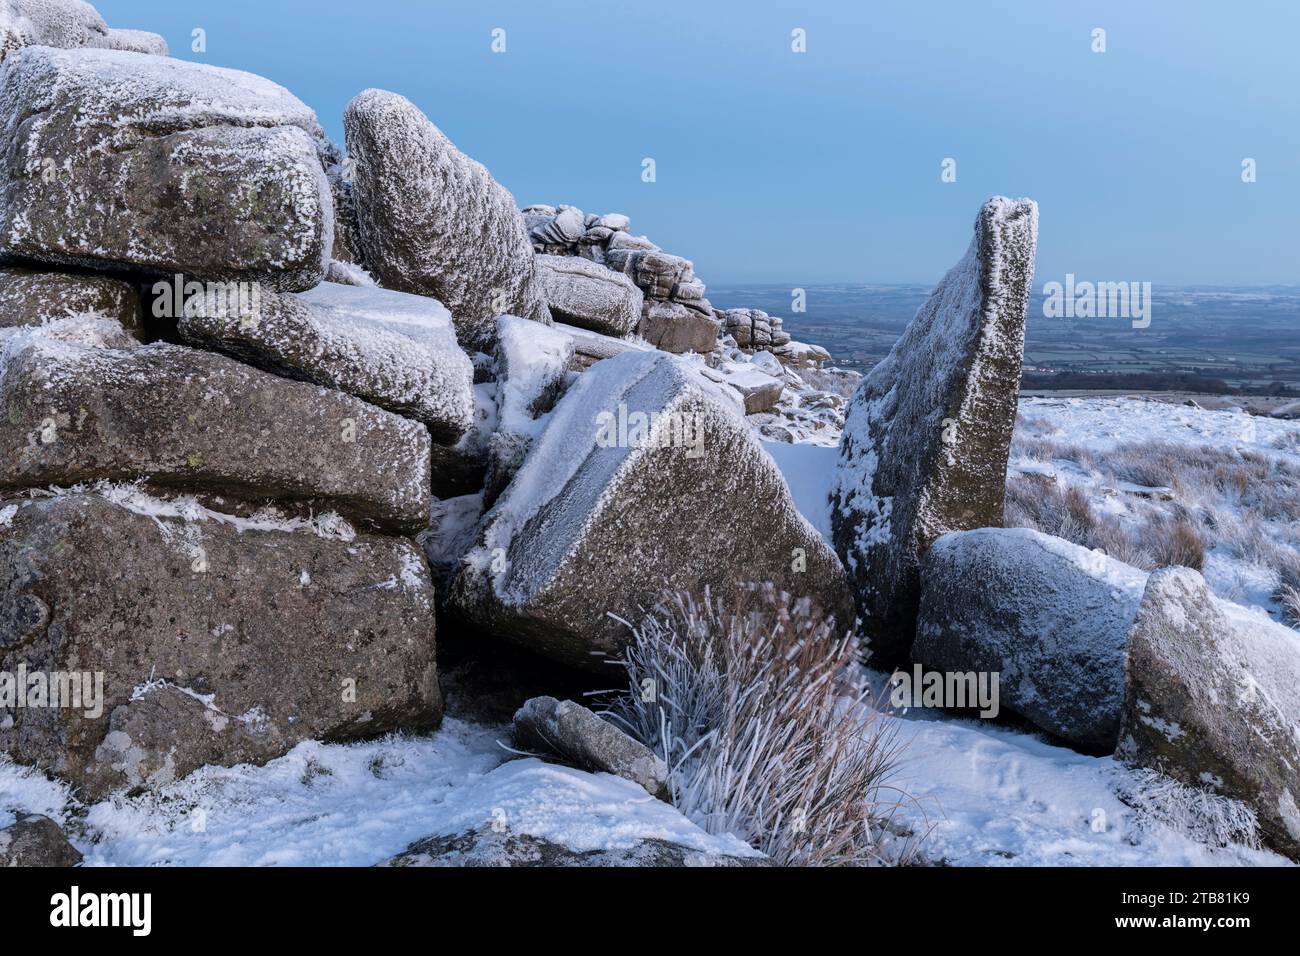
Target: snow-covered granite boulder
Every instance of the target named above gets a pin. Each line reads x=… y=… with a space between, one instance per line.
x=1049 y=617
x=532 y=369
x=1213 y=700
x=632 y=491
x=201 y=422
x=588 y=295
x=117 y=160
x=583 y=738
x=394 y=350
x=220 y=640
x=30 y=298
x=673 y=327
x=434 y=222
x=56 y=23
x=35 y=840
x=927 y=434
x=67 y=24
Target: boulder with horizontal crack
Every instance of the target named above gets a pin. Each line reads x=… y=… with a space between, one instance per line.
x=394 y=350
x=201 y=422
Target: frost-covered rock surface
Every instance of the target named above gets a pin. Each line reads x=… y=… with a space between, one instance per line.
x=121 y=160
x=579 y=735
x=754 y=328
x=760 y=390
x=201 y=422
x=1049 y=617
x=1213 y=700
x=434 y=222
x=29 y=297
x=632 y=490
x=926 y=435
x=67 y=24
x=219 y=639
x=56 y=23
x=485 y=847
x=588 y=295
x=675 y=328
x=532 y=364
x=36 y=840
x=135 y=41
x=672 y=312
x=394 y=350
x=590 y=347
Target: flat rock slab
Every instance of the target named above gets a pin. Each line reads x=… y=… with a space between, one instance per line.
x=119 y=160
x=36 y=840
x=928 y=432
x=586 y=294
x=29 y=298
x=632 y=491
x=219 y=640
x=434 y=222
x=1050 y=618
x=1213 y=700
x=201 y=422
x=589 y=742
x=394 y=350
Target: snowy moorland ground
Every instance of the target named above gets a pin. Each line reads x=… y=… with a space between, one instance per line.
x=977 y=793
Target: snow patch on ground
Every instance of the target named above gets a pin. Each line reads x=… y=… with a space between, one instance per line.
x=357 y=805
x=990 y=796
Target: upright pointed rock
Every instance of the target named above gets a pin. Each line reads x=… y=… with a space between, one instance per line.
x=927 y=433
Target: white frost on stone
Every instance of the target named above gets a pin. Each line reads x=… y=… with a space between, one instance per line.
x=533 y=360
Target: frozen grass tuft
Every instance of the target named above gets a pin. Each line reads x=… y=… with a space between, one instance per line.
x=1196 y=813
x=1188 y=501
x=766 y=729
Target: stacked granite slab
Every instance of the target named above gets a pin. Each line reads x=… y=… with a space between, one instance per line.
x=210 y=464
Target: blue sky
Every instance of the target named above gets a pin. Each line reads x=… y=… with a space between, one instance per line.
x=800 y=168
